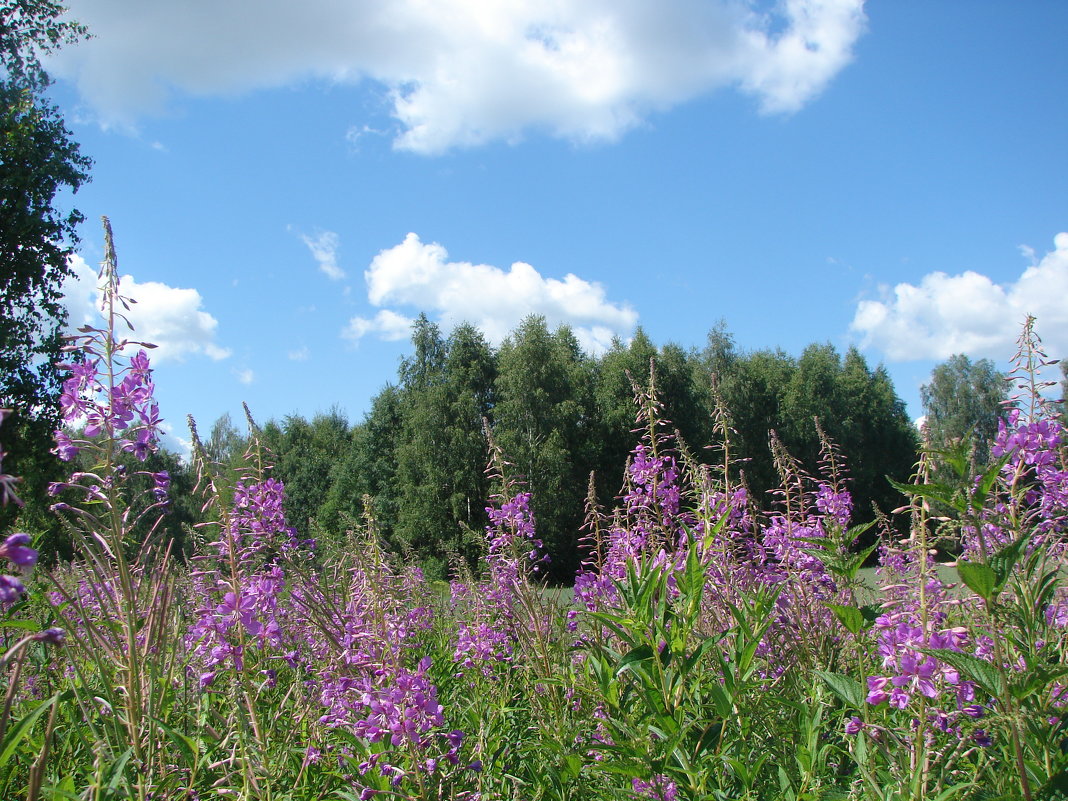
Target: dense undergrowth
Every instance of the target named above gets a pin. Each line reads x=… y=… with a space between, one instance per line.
x=708 y=651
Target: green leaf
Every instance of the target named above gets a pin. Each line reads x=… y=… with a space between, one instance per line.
x=643 y=653
x=942 y=493
x=118 y=767
x=699 y=652
x=23 y=625
x=845 y=687
x=987 y=480
x=1035 y=679
x=982 y=673
x=184 y=744
x=1055 y=788
x=17 y=733
x=1005 y=560
x=572 y=765
x=854 y=565
x=951 y=792
x=980 y=579
x=65 y=789
x=855 y=618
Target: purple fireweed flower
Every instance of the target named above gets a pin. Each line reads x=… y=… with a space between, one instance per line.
x=65 y=449
x=126 y=405
x=52 y=636
x=142 y=445
x=481 y=645
x=236 y=608
x=659 y=789
x=139 y=365
x=11 y=589
x=162 y=482
x=854 y=725
x=16 y=548
x=877 y=689
x=836 y=505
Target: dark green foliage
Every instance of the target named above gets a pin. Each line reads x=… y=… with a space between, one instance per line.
x=557 y=413
x=305 y=454
x=681 y=384
x=859 y=411
x=38 y=161
x=614 y=398
x=751 y=386
x=856 y=406
x=183 y=507
x=544 y=422
x=964 y=401
x=470 y=397
x=449 y=390
x=368 y=468
x=423 y=521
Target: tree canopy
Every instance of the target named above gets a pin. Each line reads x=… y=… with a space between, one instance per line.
x=38 y=162
x=964 y=400
x=559 y=414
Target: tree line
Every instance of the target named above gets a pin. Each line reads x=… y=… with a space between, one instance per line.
x=560 y=415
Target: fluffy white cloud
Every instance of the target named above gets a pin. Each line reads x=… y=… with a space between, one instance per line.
x=968 y=313
x=389 y=325
x=420 y=276
x=324 y=247
x=166 y=316
x=463 y=72
x=246 y=376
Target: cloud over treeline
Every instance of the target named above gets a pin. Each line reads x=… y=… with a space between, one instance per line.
x=968 y=313
x=420 y=277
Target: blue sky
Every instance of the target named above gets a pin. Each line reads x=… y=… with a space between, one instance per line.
x=290 y=184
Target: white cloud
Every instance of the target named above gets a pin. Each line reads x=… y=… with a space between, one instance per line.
x=387 y=324
x=324 y=247
x=421 y=277
x=968 y=313
x=245 y=376
x=176 y=444
x=301 y=354
x=168 y=317
x=464 y=72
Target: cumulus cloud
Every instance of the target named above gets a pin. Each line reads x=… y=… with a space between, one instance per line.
x=968 y=313
x=464 y=72
x=420 y=276
x=324 y=246
x=169 y=317
x=246 y=376
x=389 y=325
